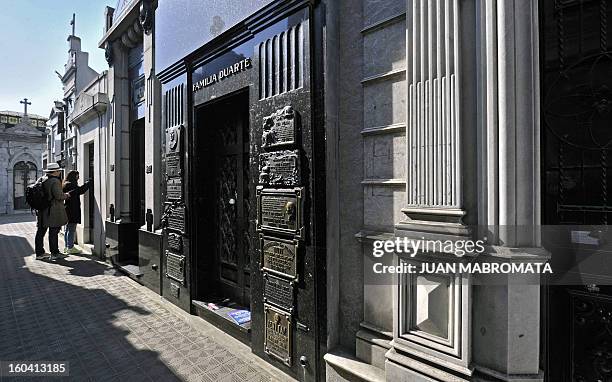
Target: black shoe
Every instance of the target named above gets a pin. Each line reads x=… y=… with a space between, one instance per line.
x=42 y=256
x=56 y=255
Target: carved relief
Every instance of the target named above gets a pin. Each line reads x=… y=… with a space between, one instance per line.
x=279 y=168
x=279 y=292
x=592 y=337
x=146 y=16
x=278 y=334
x=174 y=189
x=280 y=211
x=279 y=128
x=174 y=138
x=174 y=217
x=108 y=53
x=279 y=256
x=175 y=267
x=175 y=242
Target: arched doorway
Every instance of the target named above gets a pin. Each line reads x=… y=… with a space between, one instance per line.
x=24 y=174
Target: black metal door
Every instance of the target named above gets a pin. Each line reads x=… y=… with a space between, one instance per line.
x=91 y=204
x=230 y=202
x=137 y=172
x=577 y=142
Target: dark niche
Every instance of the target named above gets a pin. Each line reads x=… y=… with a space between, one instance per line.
x=280 y=211
x=278 y=292
x=279 y=256
x=277 y=334
x=279 y=128
x=280 y=168
x=175 y=267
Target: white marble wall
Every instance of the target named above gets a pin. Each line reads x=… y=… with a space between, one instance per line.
x=153 y=134
x=13 y=150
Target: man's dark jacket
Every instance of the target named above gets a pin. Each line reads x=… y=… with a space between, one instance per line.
x=73 y=204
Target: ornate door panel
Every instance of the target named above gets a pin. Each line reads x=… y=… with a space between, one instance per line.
x=576 y=185
x=231 y=201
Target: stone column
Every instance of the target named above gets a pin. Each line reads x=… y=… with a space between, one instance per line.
x=507 y=317
x=119 y=136
x=4 y=190
x=154 y=173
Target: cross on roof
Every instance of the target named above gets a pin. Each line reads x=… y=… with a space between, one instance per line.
x=73 y=23
x=25 y=105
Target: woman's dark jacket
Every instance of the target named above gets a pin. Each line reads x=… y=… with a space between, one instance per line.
x=73 y=204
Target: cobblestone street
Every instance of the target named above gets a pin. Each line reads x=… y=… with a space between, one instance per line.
x=108 y=327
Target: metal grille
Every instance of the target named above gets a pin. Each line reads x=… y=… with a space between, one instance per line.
x=577 y=112
x=226 y=210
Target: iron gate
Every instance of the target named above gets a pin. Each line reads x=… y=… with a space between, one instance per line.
x=576 y=169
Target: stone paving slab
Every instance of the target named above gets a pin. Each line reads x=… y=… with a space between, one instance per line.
x=108 y=327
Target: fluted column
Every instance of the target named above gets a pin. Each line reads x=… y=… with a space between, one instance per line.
x=507 y=317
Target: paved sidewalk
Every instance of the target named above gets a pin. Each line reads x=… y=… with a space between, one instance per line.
x=108 y=327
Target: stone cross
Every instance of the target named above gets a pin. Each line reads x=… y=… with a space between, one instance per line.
x=25 y=105
x=73 y=23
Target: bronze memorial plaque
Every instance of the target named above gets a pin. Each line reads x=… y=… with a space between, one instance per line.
x=173 y=138
x=173 y=165
x=279 y=256
x=176 y=219
x=280 y=168
x=279 y=128
x=174 y=189
x=279 y=292
x=278 y=334
x=175 y=242
x=175 y=266
x=280 y=211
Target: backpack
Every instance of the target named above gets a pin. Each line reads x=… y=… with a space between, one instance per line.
x=37 y=197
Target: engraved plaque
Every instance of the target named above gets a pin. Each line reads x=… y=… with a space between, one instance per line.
x=278 y=334
x=280 y=211
x=174 y=189
x=176 y=219
x=175 y=242
x=279 y=128
x=279 y=292
x=173 y=165
x=280 y=168
x=279 y=256
x=175 y=290
x=175 y=266
x=173 y=138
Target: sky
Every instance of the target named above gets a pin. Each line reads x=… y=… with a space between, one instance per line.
x=33 y=46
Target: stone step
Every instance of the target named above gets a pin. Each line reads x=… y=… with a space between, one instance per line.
x=345 y=367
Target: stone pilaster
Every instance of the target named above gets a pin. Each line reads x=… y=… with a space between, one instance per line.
x=507 y=317
x=153 y=134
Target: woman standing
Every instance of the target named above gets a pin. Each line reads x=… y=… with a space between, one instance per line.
x=73 y=208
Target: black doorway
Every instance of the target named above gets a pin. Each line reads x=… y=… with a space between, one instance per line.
x=221 y=198
x=90 y=195
x=137 y=172
x=576 y=62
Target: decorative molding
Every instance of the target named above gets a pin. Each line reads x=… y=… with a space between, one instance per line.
x=384 y=23
x=433 y=334
x=174 y=106
x=384 y=182
x=433 y=132
x=281 y=62
x=108 y=53
x=383 y=76
x=146 y=16
x=386 y=129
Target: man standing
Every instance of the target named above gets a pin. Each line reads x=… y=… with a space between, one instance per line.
x=53 y=217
